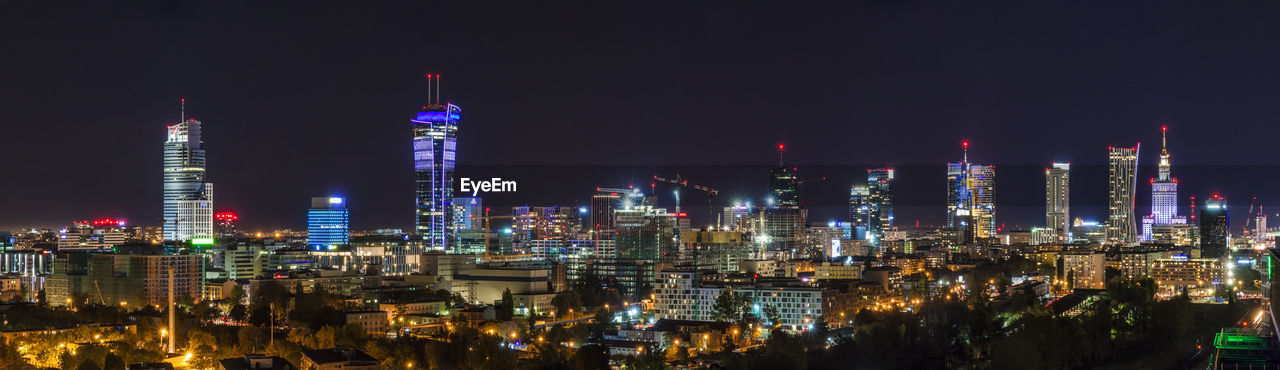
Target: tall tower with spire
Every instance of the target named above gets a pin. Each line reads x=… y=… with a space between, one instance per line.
x=971 y=207
x=435 y=132
x=1164 y=194
x=188 y=197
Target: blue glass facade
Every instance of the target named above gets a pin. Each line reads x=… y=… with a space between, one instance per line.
x=327 y=223
x=435 y=132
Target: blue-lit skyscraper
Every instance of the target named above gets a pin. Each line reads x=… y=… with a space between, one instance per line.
x=435 y=131
x=188 y=199
x=327 y=223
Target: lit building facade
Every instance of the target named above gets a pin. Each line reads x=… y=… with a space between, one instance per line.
x=971 y=207
x=1164 y=195
x=859 y=209
x=1183 y=272
x=552 y=222
x=782 y=231
x=645 y=233
x=1086 y=270
x=1215 y=227
x=678 y=296
x=982 y=184
x=785 y=185
x=880 y=202
x=1121 y=224
x=959 y=199
x=468 y=213
x=606 y=200
x=435 y=132
x=328 y=223
x=101 y=234
x=1057 y=199
x=188 y=198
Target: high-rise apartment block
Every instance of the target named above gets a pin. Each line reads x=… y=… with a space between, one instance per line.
x=1057 y=200
x=1121 y=224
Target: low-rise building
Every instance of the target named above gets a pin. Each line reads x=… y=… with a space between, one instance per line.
x=252 y=361
x=337 y=358
x=1181 y=271
x=828 y=270
x=394 y=310
x=374 y=322
x=676 y=297
x=486 y=285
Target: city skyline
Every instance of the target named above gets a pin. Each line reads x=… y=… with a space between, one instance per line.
x=650 y=186
x=250 y=131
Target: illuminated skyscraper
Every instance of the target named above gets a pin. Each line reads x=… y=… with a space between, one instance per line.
x=606 y=200
x=971 y=207
x=959 y=199
x=1057 y=199
x=327 y=223
x=982 y=186
x=880 y=200
x=859 y=209
x=188 y=199
x=435 y=131
x=1215 y=227
x=785 y=187
x=1121 y=226
x=1164 y=195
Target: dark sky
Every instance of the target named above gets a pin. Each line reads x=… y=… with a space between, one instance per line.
x=309 y=98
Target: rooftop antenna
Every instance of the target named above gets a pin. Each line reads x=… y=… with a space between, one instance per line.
x=437 y=89
x=1164 y=143
x=965 y=144
x=780 y=154
x=428 y=89
x=182 y=115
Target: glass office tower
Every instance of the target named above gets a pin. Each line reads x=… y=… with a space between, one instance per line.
x=327 y=223
x=188 y=199
x=435 y=132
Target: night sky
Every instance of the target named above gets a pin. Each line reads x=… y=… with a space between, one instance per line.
x=306 y=98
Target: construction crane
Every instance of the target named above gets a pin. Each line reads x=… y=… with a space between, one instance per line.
x=680 y=181
x=1248 y=217
x=486 y=219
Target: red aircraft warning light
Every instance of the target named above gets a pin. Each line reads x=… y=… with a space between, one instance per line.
x=108 y=222
x=226 y=216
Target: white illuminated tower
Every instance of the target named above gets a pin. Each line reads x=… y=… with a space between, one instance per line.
x=1121 y=225
x=1057 y=199
x=188 y=199
x=1164 y=194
